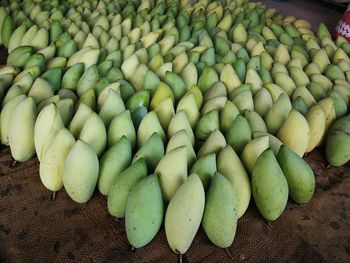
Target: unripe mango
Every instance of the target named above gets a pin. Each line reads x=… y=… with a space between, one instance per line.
x=300 y=178
x=220 y=212
x=21 y=130
x=144 y=211
x=52 y=162
x=269 y=186
x=338 y=142
x=80 y=172
x=184 y=214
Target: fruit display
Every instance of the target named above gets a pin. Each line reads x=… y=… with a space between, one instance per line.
x=178 y=113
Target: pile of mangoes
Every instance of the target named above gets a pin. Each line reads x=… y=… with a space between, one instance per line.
x=174 y=111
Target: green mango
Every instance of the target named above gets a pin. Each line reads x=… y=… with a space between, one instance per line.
x=137 y=116
x=53 y=76
x=80 y=172
x=269 y=186
x=239 y=134
x=55 y=31
x=144 y=211
x=7 y=30
x=339 y=104
x=36 y=60
x=220 y=218
x=177 y=85
x=105 y=67
x=240 y=68
x=316 y=90
x=205 y=167
x=207 y=79
x=333 y=72
x=88 y=98
x=338 y=142
x=123 y=183
x=300 y=105
x=68 y=49
x=300 y=177
x=112 y=163
x=151 y=151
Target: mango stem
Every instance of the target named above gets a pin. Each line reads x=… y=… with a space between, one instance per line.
x=228 y=253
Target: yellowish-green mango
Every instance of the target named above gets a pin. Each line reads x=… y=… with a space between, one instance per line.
x=277 y=115
x=94 y=133
x=214 y=143
x=181 y=138
x=122 y=125
x=180 y=122
x=274 y=142
x=52 y=162
x=184 y=214
x=112 y=106
x=300 y=177
x=80 y=172
x=5 y=117
x=172 y=171
x=81 y=115
x=316 y=119
x=262 y=101
x=149 y=125
x=295 y=132
x=189 y=105
x=21 y=130
x=205 y=167
x=48 y=123
x=253 y=150
x=230 y=166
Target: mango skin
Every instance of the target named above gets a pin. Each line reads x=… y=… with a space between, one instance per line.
x=21 y=130
x=144 y=212
x=116 y=159
x=300 y=177
x=269 y=186
x=52 y=162
x=184 y=214
x=220 y=212
x=80 y=172
x=123 y=184
x=338 y=142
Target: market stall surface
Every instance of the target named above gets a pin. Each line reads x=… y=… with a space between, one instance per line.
x=36 y=228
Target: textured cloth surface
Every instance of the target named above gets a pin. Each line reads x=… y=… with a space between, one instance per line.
x=34 y=228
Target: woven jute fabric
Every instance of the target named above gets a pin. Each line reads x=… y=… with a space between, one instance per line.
x=35 y=228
